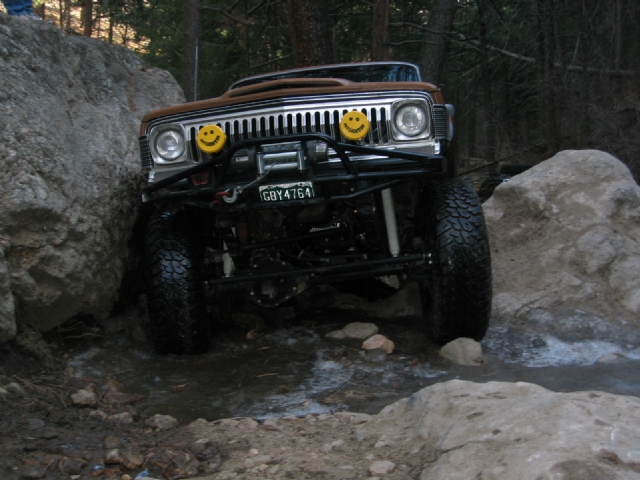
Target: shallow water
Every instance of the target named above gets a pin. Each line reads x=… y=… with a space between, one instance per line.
x=296 y=371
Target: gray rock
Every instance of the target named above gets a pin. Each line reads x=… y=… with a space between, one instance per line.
x=460 y=429
x=382 y=467
x=15 y=389
x=378 y=342
x=84 y=398
x=71 y=174
x=463 y=351
x=162 y=422
x=564 y=239
x=355 y=330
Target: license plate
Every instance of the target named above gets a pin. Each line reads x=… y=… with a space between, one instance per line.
x=286 y=191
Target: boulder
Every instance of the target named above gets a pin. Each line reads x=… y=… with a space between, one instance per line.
x=460 y=429
x=70 y=109
x=564 y=240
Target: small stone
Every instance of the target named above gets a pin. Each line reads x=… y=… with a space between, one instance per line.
x=30 y=472
x=253 y=452
x=84 y=398
x=249 y=423
x=112 y=442
x=463 y=351
x=378 y=341
x=355 y=330
x=99 y=415
x=133 y=460
x=73 y=466
x=611 y=357
x=49 y=434
x=353 y=418
x=15 y=389
x=271 y=425
x=381 y=467
x=113 y=457
x=336 y=445
x=126 y=476
x=35 y=423
x=162 y=422
x=122 y=418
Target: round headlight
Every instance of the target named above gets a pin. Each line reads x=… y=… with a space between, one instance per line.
x=411 y=120
x=170 y=144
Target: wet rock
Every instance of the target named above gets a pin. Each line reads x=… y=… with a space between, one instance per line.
x=378 y=342
x=355 y=330
x=84 y=398
x=382 y=467
x=162 y=422
x=463 y=351
x=3 y=393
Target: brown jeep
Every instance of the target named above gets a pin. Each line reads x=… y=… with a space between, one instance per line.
x=301 y=177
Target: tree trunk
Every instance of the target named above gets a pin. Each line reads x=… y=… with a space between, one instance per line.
x=87 y=18
x=380 y=31
x=310 y=28
x=542 y=11
x=192 y=28
x=441 y=19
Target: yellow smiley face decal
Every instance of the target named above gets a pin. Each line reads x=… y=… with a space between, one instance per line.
x=354 y=125
x=211 y=139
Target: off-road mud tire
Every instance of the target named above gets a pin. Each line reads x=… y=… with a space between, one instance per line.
x=456 y=299
x=175 y=287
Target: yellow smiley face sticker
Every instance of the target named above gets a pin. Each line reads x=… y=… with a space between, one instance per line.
x=354 y=125
x=211 y=139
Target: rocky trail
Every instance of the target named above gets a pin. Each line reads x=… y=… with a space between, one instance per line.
x=553 y=394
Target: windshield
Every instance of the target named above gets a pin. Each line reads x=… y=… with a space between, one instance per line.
x=355 y=73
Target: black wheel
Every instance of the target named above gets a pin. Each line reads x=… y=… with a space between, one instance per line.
x=175 y=288
x=456 y=298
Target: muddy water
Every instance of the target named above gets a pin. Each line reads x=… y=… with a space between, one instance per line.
x=294 y=370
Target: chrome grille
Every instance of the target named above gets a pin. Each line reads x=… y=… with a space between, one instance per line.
x=310 y=121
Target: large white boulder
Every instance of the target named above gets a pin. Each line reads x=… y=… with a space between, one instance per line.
x=565 y=240
x=69 y=191
x=462 y=430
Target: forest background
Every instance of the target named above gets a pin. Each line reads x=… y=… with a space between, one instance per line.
x=527 y=77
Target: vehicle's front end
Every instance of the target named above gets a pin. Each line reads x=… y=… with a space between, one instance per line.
x=285 y=183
